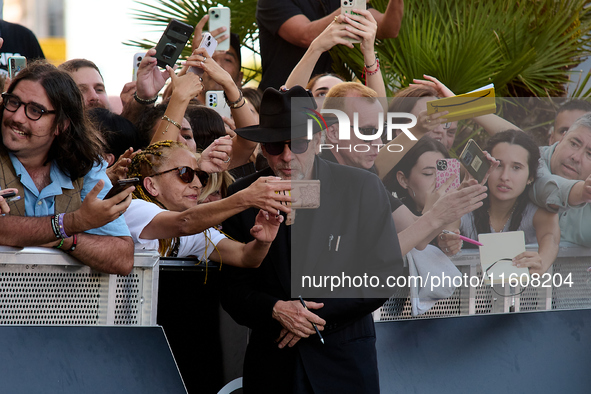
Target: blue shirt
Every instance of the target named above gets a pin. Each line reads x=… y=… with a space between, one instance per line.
x=42 y=203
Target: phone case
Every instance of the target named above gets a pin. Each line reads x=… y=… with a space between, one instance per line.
x=172 y=42
x=15 y=64
x=305 y=194
x=445 y=169
x=347 y=7
x=209 y=43
x=474 y=161
x=137 y=59
x=218 y=17
x=120 y=186
x=214 y=99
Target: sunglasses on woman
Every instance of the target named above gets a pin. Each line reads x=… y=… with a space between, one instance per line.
x=187 y=174
x=295 y=146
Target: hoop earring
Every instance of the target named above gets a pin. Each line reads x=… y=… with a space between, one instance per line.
x=413 y=192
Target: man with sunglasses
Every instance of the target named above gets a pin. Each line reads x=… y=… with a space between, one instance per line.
x=352 y=232
x=51 y=154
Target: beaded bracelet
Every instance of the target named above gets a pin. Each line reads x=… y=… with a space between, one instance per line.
x=366 y=69
x=374 y=63
x=143 y=101
x=73 y=248
x=234 y=104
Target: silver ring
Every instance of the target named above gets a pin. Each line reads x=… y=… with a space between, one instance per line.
x=447 y=250
x=204 y=58
x=227 y=161
x=428 y=120
x=121 y=213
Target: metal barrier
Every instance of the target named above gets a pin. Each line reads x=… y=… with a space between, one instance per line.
x=482 y=299
x=47 y=287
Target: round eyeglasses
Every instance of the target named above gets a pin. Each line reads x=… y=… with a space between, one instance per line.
x=33 y=111
x=187 y=174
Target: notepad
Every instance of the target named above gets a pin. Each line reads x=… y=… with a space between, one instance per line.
x=465 y=106
x=497 y=246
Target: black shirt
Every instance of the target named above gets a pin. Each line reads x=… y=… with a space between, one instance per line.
x=18 y=41
x=394 y=202
x=279 y=57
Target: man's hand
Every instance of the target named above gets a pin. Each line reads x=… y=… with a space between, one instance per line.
x=96 y=213
x=127 y=92
x=586 y=195
x=198 y=33
x=297 y=320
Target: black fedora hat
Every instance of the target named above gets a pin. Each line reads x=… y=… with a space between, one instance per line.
x=284 y=116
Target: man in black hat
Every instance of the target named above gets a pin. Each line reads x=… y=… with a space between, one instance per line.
x=350 y=234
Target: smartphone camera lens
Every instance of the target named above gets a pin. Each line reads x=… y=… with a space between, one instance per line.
x=441 y=165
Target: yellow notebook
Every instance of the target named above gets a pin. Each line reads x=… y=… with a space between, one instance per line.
x=465 y=106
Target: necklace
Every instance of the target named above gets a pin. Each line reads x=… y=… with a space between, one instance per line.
x=505 y=224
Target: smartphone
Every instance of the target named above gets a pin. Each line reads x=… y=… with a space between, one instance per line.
x=445 y=169
x=474 y=161
x=172 y=42
x=209 y=43
x=215 y=100
x=304 y=194
x=15 y=64
x=7 y=195
x=347 y=7
x=137 y=59
x=121 y=185
x=218 y=17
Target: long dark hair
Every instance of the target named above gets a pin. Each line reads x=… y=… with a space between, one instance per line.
x=78 y=146
x=513 y=137
x=406 y=164
x=207 y=125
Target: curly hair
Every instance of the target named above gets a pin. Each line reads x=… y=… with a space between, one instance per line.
x=78 y=145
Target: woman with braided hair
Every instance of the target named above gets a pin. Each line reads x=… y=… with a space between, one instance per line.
x=164 y=214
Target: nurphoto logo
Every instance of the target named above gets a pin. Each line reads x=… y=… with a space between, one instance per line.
x=394 y=121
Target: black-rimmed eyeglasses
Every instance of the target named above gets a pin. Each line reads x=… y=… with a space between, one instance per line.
x=187 y=174
x=33 y=111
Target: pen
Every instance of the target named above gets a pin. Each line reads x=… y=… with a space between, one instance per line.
x=314 y=325
x=464 y=238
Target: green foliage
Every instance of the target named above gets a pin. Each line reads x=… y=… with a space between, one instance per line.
x=525 y=48
x=243 y=20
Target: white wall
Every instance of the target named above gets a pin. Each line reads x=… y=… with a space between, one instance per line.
x=95 y=31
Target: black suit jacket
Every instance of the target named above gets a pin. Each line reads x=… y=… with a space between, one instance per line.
x=354 y=206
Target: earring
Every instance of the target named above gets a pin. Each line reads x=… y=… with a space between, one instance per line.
x=529 y=183
x=413 y=192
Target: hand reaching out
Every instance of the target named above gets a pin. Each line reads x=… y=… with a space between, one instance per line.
x=150 y=80
x=216 y=157
x=266 y=226
x=442 y=90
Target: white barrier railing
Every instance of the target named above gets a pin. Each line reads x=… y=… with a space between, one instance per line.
x=45 y=286
x=572 y=262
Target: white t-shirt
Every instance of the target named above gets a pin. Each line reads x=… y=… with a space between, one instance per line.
x=140 y=213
